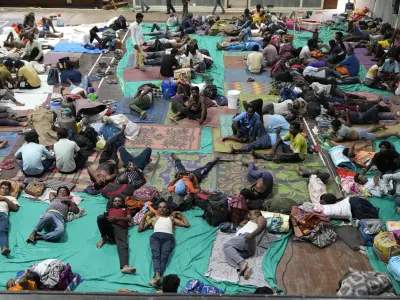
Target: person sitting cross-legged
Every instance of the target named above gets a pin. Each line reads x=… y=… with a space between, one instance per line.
x=162 y=241
x=54 y=217
x=255 y=60
x=244 y=126
x=297 y=150
x=113 y=227
x=31 y=155
x=244 y=244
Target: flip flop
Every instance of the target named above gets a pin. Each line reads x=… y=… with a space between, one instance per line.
x=109 y=81
x=109 y=73
x=7 y=167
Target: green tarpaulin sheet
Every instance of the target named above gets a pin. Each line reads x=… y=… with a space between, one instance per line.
x=100 y=267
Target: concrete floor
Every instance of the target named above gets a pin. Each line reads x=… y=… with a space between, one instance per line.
x=90 y=16
x=304 y=269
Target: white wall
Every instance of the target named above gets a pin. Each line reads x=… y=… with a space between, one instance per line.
x=361 y=4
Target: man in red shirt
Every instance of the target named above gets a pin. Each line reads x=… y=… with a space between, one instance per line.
x=113 y=226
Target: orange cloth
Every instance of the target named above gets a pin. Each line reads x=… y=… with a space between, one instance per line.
x=189 y=186
x=132 y=203
x=342 y=70
x=361 y=156
x=31 y=287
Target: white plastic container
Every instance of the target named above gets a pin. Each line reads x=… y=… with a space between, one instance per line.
x=60 y=21
x=233 y=99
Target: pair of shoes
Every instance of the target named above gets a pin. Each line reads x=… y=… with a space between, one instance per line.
x=103 y=65
x=7 y=164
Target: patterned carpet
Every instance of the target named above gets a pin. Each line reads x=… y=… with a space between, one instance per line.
x=81 y=178
x=232 y=176
x=159 y=137
x=247 y=87
x=163 y=171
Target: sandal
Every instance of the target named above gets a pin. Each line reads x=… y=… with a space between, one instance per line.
x=250 y=80
x=109 y=73
x=6 y=162
x=110 y=81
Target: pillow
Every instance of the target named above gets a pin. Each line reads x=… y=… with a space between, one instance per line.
x=285 y=218
x=339 y=159
x=339 y=210
x=15 y=188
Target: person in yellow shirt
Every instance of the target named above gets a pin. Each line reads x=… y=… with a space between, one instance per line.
x=297 y=150
x=258 y=18
x=5 y=74
x=28 y=78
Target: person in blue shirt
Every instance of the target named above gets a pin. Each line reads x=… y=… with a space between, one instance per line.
x=31 y=155
x=245 y=126
x=245 y=42
x=238 y=46
x=390 y=66
x=351 y=62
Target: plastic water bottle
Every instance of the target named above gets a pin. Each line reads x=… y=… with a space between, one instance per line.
x=60 y=21
x=166 y=95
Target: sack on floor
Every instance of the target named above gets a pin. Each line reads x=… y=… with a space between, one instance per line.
x=385 y=246
x=238 y=209
x=169 y=85
x=120 y=23
x=196 y=286
x=65 y=64
x=339 y=159
x=394 y=267
x=221 y=100
x=182 y=203
x=313 y=109
x=217 y=210
x=74 y=75
x=35 y=188
x=145 y=193
x=53 y=76
x=279 y=205
x=210 y=91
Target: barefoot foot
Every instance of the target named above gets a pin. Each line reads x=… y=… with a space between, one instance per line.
x=100 y=243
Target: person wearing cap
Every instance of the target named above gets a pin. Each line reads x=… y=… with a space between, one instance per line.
x=187 y=182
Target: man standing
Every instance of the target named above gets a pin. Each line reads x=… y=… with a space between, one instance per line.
x=138 y=41
x=244 y=244
x=170 y=7
x=185 y=9
x=7 y=204
x=216 y=3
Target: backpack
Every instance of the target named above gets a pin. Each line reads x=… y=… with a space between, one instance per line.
x=182 y=202
x=53 y=76
x=313 y=109
x=217 y=210
x=238 y=209
x=221 y=100
x=255 y=204
x=201 y=199
x=279 y=205
x=278 y=68
x=91 y=135
x=196 y=286
x=113 y=189
x=121 y=22
x=210 y=91
x=65 y=64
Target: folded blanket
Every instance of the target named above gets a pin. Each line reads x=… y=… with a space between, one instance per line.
x=220 y=270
